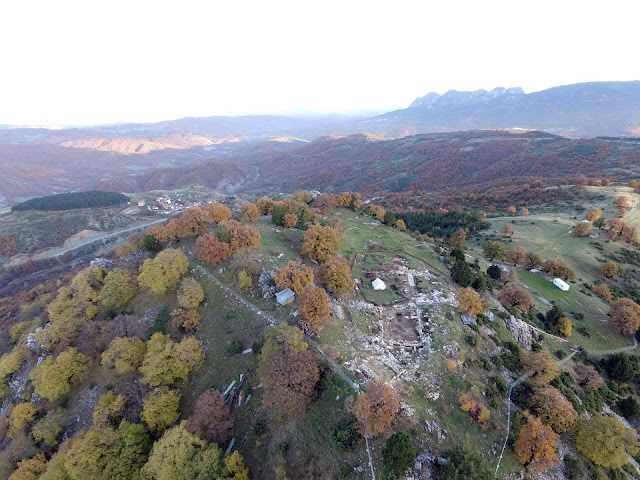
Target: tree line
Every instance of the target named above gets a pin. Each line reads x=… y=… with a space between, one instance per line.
x=69 y=201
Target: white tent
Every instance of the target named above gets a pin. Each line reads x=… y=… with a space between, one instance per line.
x=561 y=284
x=378 y=284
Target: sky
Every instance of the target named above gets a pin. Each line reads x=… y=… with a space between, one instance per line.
x=94 y=62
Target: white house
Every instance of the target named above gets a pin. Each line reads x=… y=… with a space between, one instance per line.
x=378 y=284
x=561 y=284
x=285 y=297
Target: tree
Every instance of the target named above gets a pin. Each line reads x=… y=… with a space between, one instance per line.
x=376 y=408
x=532 y=260
x=588 y=377
x=244 y=281
x=264 y=205
x=458 y=239
x=30 y=469
x=48 y=429
x=593 y=214
x=511 y=209
x=581 y=229
x=564 y=326
x=289 y=220
x=625 y=315
x=494 y=272
x=469 y=301
x=462 y=274
x=22 y=415
x=195 y=221
x=167 y=361
x=609 y=269
x=211 y=418
x=303 y=196
x=493 y=249
x=211 y=250
x=559 y=269
x=294 y=275
x=190 y=294
x=516 y=297
x=621 y=201
x=602 y=290
x=250 y=212
x=160 y=409
x=320 y=243
x=605 y=441
x=599 y=222
x=54 y=378
x=465 y=463
x=400 y=225
x=288 y=370
x=117 y=289
x=517 y=256
x=537 y=446
x=219 y=212
x=150 y=244
x=543 y=365
x=277 y=213
x=109 y=410
x=335 y=273
x=507 y=230
x=553 y=408
x=8 y=245
x=619 y=367
x=163 y=272
x=242 y=236
x=523 y=212
x=314 y=307
x=398 y=454
x=185 y=319
x=11 y=362
x=389 y=218
x=181 y=455
x=125 y=354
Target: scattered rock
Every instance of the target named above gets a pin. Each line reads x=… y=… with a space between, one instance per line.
x=468 y=320
x=101 y=263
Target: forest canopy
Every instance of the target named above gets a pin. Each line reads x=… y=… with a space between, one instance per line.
x=69 y=201
x=436 y=224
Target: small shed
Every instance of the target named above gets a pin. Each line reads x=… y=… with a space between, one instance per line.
x=285 y=297
x=561 y=284
x=378 y=284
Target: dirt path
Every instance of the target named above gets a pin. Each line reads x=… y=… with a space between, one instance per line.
x=276 y=321
x=561 y=362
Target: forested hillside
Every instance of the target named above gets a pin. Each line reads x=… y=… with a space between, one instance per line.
x=69 y=201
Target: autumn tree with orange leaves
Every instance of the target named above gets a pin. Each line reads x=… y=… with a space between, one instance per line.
x=537 y=446
x=314 y=307
x=335 y=273
x=469 y=301
x=211 y=250
x=294 y=275
x=517 y=256
x=602 y=290
x=289 y=220
x=376 y=408
x=211 y=418
x=516 y=297
x=250 y=211
x=288 y=370
x=458 y=239
x=625 y=315
x=219 y=212
x=264 y=205
x=242 y=236
x=553 y=408
x=320 y=242
x=543 y=365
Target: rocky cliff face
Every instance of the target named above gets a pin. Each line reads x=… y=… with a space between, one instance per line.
x=432 y=100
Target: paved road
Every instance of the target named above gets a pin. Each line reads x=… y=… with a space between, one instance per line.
x=275 y=321
x=105 y=236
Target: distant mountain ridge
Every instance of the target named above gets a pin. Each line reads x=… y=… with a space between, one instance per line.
x=578 y=110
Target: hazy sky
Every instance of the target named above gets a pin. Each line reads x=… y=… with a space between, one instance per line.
x=89 y=61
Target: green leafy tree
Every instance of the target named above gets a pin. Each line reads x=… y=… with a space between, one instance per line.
x=54 y=378
x=109 y=409
x=605 y=441
x=181 y=455
x=244 y=281
x=277 y=214
x=493 y=249
x=162 y=273
x=465 y=463
x=494 y=272
x=117 y=290
x=167 y=361
x=462 y=274
x=398 y=454
x=160 y=409
x=125 y=354
x=48 y=429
